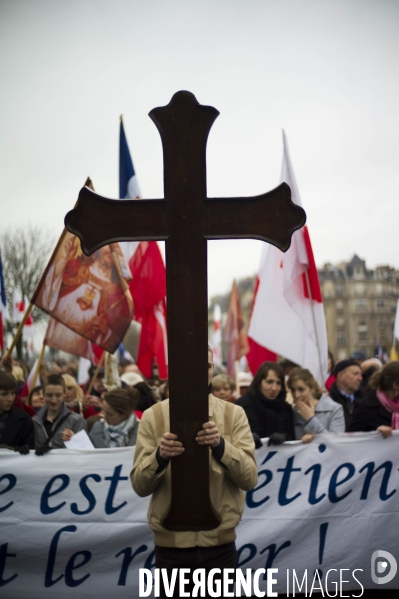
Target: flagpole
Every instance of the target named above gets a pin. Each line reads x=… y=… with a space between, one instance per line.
x=314 y=323
x=237 y=377
x=97 y=370
x=19 y=330
x=38 y=365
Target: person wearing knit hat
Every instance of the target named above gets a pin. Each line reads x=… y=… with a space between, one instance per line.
x=348 y=377
x=340 y=366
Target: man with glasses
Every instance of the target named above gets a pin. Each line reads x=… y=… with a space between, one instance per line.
x=54 y=423
x=16 y=428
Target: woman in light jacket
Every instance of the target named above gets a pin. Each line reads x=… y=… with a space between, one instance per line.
x=118 y=425
x=314 y=412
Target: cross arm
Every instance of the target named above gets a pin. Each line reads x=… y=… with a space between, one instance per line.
x=98 y=221
x=271 y=217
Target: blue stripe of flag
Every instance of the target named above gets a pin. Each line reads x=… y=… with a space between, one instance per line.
x=2 y=286
x=126 y=169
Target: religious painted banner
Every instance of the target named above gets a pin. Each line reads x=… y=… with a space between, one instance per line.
x=323 y=516
x=58 y=336
x=87 y=297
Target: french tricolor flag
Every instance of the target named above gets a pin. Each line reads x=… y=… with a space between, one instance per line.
x=2 y=306
x=128 y=186
x=287 y=315
x=148 y=286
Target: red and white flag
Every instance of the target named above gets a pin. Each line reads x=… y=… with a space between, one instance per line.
x=216 y=340
x=29 y=332
x=235 y=334
x=18 y=306
x=288 y=316
x=32 y=380
x=148 y=289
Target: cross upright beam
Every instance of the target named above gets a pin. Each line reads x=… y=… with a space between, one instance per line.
x=185 y=218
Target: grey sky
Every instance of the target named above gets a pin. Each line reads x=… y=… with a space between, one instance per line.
x=325 y=71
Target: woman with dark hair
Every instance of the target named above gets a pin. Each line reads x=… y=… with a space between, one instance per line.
x=379 y=409
x=314 y=412
x=119 y=425
x=269 y=415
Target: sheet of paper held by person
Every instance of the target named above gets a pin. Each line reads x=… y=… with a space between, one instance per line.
x=80 y=440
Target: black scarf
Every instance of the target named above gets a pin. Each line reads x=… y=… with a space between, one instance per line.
x=273 y=415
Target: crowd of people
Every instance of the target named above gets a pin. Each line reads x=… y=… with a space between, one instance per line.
x=282 y=402
x=49 y=414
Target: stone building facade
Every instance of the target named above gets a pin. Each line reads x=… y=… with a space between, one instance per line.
x=360 y=306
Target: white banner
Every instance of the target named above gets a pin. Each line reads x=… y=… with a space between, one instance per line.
x=71 y=525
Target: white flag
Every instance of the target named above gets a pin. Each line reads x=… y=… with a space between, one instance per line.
x=288 y=316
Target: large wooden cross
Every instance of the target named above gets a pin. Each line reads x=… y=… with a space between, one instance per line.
x=185 y=218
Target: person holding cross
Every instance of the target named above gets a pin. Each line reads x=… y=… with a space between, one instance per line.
x=233 y=470
x=186 y=218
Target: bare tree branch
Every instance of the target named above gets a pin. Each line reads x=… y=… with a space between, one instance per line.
x=25 y=251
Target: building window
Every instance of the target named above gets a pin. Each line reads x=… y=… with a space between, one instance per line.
x=361 y=303
x=380 y=303
x=341 y=338
x=358 y=272
x=338 y=289
x=382 y=323
x=359 y=289
x=362 y=336
x=362 y=320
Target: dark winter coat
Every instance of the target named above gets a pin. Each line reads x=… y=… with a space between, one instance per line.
x=345 y=402
x=368 y=414
x=16 y=428
x=268 y=416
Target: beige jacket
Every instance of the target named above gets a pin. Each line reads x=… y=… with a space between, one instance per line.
x=227 y=485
